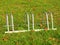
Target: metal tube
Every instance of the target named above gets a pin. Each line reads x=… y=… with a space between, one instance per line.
x=7 y=22
x=47 y=21
x=12 y=22
x=33 y=21
x=28 y=21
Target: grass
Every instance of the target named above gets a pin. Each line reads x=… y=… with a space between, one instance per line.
x=19 y=8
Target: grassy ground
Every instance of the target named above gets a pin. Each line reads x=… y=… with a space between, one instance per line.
x=19 y=8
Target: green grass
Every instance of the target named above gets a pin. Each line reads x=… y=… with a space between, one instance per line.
x=19 y=8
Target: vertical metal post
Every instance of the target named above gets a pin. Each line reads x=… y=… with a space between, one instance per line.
x=12 y=22
x=7 y=22
x=52 y=21
x=33 y=21
x=47 y=21
x=28 y=21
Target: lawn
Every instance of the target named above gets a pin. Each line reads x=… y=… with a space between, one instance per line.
x=19 y=8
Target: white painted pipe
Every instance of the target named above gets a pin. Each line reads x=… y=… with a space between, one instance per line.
x=7 y=22
x=47 y=21
x=33 y=21
x=28 y=21
x=52 y=21
x=12 y=22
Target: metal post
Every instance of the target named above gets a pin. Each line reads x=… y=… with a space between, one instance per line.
x=28 y=21
x=7 y=22
x=12 y=22
x=52 y=21
x=47 y=21
x=33 y=21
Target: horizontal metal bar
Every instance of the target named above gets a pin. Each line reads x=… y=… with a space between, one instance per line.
x=27 y=30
